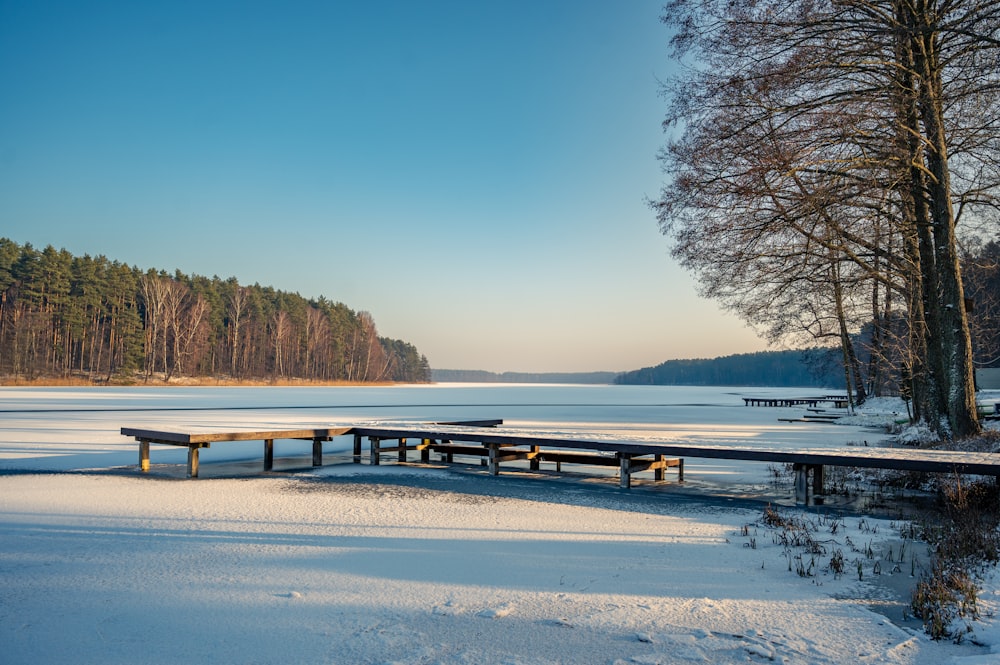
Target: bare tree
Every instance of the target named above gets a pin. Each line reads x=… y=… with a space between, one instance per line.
x=152 y=289
x=191 y=332
x=813 y=136
x=318 y=340
x=367 y=360
x=281 y=333
x=236 y=307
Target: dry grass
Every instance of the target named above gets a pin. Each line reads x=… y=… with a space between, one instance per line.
x=46 y=381
x=965 y=537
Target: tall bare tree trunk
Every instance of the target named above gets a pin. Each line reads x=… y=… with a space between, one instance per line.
x=956 y=343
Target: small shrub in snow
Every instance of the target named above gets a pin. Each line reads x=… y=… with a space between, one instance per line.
x=965 y=539
x=837 y=565
x=944 y=597
x=917 y=435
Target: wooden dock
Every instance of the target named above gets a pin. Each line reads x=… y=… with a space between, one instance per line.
x=497 y=446
x=195 y=442
x=838 y=401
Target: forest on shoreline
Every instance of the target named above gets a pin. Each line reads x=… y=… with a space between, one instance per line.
x=66 y=319
x=778 y=369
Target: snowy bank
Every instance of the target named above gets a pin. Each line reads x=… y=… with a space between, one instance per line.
x=405 y=565
x=371 y=565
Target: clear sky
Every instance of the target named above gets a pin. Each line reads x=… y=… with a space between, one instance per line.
x=474 y=174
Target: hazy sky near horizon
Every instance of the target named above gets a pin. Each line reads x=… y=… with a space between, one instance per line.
x=473 y=174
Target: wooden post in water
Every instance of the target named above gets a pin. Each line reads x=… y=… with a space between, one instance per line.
x=268 y=454
x=357 y=449
x=317 y=451
x=192 y=462
x=801 y=483
x=144 y=455
x=625 y=479
x=494 y=463
x=818 y=479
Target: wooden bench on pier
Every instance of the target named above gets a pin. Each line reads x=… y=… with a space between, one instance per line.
x=632 y=456
x=493 y=456
x=496 y=449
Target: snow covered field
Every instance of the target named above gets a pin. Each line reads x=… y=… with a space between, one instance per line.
x=359 y=564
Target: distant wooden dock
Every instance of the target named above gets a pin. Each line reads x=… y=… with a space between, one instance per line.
x=838 y=401
x=483 y=439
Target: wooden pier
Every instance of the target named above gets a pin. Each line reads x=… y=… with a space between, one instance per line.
x=497 y=446
x=838 y=401
x=195 y=442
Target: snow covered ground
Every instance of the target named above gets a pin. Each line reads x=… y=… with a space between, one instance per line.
x=390 y=564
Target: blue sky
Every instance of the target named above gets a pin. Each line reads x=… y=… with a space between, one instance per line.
x=473 y=174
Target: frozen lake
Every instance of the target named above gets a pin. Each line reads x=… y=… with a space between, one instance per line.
x=408 y=565
x=78 y=428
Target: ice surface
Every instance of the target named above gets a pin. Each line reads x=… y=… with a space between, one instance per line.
x=400 y=564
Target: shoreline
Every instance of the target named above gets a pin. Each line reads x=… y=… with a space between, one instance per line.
x=191 y=382
x=458 y=567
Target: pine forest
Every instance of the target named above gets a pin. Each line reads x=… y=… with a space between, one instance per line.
x=104 y=321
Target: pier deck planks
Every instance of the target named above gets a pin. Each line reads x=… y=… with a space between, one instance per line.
x=482 y=438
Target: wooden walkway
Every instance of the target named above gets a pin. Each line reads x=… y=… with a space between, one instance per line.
x=482 y=439
x=195 y=442
x=838 y=401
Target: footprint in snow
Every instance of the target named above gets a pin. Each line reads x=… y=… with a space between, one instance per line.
x=446 y=610
x=562 y=623
x=496 y=612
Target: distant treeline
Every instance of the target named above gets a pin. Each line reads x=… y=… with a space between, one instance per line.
x=482 y=376
x=63 y=315
x=805 y=368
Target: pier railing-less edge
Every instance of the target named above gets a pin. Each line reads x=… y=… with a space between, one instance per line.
x=484 y=438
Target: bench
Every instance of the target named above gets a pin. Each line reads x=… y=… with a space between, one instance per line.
x=494 y=453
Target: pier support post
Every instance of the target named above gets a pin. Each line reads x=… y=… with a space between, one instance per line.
x=373 y=443
x=802 y=488
x=317 y=452
x=144 y=455
x=357 y=449
x=801 y=483
x=268 y=454
x=494 y=461
x=192 y=462
x=625 y=478
x=818 y=479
